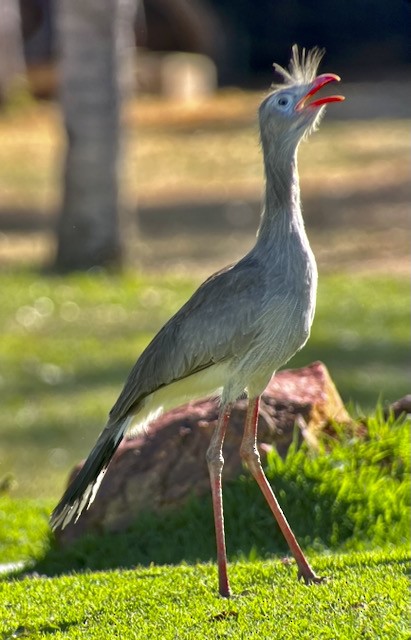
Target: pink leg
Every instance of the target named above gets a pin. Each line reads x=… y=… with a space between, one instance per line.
x=251 y=456
x=215 y=463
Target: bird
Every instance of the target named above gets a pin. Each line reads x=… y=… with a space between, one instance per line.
x=239 y=326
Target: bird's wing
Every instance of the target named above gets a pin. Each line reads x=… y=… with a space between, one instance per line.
x=218 y=322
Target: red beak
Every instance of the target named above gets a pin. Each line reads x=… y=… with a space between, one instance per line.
x=318 y=83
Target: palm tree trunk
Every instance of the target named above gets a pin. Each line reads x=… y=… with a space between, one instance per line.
x=96 y=41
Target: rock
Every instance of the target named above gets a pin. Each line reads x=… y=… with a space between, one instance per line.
x=400 y=407
x=164 y=465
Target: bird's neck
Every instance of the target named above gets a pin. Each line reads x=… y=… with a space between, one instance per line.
x=281 y=217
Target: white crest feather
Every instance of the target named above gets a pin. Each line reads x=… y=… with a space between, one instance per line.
x=303 y=65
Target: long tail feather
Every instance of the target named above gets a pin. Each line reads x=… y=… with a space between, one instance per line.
x=82 y=490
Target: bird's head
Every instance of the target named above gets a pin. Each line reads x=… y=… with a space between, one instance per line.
x=289 y=113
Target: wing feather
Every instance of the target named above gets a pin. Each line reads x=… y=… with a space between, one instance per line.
x=218 y=322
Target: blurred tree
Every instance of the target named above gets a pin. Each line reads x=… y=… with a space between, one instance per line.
x=12 y=65
x=96 y=48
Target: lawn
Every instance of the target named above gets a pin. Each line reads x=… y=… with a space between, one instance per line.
x=365 y=597
x=354 y=497
x=67 y=345
x=156 y=578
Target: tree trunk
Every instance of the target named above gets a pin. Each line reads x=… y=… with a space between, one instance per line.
x=12 y=65
x=96 y=47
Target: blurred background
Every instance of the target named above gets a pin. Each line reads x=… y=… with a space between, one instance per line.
x=130 y=169
x=186 y=77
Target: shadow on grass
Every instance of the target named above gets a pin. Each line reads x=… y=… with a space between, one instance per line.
x=213 y=215
x=320 y=518
x=25 y=631
x=178 y=535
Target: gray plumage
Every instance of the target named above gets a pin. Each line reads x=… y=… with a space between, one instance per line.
x=245 y=321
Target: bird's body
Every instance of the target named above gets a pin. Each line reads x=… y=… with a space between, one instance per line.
x=225 y=339
x=237 y=329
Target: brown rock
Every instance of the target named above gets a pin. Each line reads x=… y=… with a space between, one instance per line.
x=401 y=407
x=163 y=466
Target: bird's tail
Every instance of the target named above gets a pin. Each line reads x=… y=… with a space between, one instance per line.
x=82 y=490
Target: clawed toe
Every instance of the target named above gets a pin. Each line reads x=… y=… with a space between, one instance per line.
x=311 y=578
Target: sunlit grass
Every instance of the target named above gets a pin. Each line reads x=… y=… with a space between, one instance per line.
x=367 y=597
x=353 y=496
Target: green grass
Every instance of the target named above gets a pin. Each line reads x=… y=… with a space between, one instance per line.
x=354 y=496
x=366 y=596
x=24 y=529
x=69 y=342
x=67 y=346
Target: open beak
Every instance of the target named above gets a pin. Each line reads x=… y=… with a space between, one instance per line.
x=318 y=83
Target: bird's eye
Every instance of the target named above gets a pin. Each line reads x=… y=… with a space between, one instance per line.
x=283 y=101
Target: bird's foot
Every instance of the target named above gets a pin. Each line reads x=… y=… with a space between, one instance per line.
x=310 y=577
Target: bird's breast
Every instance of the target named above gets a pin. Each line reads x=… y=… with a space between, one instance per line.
x=290 y=311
